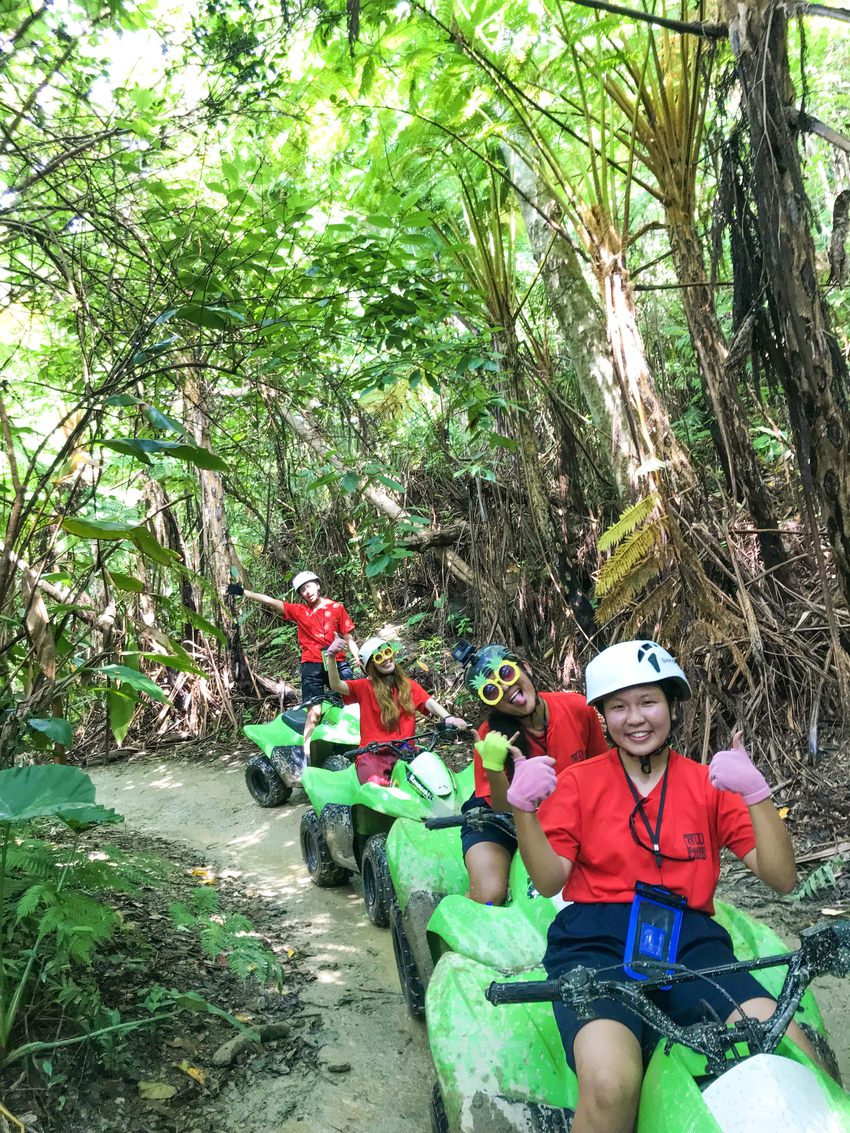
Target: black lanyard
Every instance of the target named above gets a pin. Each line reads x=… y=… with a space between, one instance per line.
x=654 y=836
x=540 y=741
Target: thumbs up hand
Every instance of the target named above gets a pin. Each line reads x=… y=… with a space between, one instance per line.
x=733 y=770
x=534 y=780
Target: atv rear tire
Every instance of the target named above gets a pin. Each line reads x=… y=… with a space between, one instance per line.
x=266 y=786
x=336 y=763
x=378 y=891
x=439 y=1120
x=408 y=971
x=320 y=865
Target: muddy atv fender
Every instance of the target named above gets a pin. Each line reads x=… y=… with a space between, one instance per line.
x=510 y=936
x=282 y=739
x=425 y=866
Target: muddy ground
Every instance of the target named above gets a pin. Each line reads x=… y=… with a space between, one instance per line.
x=354 y=1061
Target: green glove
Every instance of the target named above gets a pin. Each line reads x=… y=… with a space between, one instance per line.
x=493 y=750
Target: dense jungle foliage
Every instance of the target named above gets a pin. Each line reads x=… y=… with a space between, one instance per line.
x=514 y=322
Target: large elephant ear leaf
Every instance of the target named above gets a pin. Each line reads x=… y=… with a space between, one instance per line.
x=30 y=792
x=83 y=817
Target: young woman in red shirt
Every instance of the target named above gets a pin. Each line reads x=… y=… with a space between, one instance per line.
x=643 y=816
x=557 y=724
x=389 y=701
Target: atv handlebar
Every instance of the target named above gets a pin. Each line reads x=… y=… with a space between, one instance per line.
x=398 y=746
x=477 y=818
x=824 y=950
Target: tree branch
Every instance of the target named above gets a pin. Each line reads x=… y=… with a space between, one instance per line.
x=705 y=31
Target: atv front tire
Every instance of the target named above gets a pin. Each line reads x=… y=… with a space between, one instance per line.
x=378 y=891
x=320 y=865
x=408 y=971
x=439 y=1120
x=266 y=786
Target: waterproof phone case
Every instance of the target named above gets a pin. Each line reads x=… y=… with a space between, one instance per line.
x=654 y=927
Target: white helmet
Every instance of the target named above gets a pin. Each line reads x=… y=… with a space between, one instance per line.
x=302 y=577
x=632 y=663
x=370 y=646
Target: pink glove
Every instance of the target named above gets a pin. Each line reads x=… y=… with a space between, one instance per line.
x=338 y=645
x=534 y=780
x=734 y=771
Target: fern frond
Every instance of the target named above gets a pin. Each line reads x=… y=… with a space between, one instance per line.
x=628 y=556
x=623 y=593
x=819 y=879
x=631 y=518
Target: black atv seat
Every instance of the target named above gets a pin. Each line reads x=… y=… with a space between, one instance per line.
x=296 y=718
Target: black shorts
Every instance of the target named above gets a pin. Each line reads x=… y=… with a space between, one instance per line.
x=595 y=936
x=470 y=838
x=314 y=678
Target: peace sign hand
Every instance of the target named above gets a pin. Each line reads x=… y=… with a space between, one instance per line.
x=733 y=770
x=494 y=749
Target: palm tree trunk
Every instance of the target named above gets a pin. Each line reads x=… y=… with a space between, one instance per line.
x=552 y=547
x=732 y=440
x=580 y=320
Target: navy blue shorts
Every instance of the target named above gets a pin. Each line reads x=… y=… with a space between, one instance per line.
x=470 y=838
x=595 y=936
x=314 y=678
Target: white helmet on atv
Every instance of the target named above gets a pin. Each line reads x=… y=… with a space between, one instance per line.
x=368 y=648
x=633 y=663
x=302 y=577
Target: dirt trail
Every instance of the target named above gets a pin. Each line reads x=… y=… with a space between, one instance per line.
x=365 y=1022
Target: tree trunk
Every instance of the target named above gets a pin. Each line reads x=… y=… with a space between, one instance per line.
x=580 y=321
x=735 y=448
x=817 y=382
x=217 y=556
x=649 y=424
x=553 y=550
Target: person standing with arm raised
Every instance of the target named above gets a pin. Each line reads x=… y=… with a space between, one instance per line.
x=319 y=621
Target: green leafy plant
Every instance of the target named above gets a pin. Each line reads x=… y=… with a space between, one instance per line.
x=227 y=934
x=822 y=877
x=44 y=895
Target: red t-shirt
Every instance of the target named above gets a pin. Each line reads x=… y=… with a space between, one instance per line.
x=318 y=626
x=587 y=821
x=372 y=729
x=573 y=734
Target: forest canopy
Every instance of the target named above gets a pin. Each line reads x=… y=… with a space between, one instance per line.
x=513 y=322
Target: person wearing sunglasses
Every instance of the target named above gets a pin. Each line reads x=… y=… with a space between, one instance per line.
x=389 y=701
x=521 y=722
x=633 y=842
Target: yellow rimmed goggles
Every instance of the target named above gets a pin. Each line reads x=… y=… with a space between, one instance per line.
x=493 y=687
x=381 y=655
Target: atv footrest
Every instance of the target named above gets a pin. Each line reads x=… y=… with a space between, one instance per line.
x=495 y=1113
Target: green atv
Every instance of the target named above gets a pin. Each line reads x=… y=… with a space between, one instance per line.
x=272 y=776
x=346 y=830
x=426 y=867
x=705 y=1078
